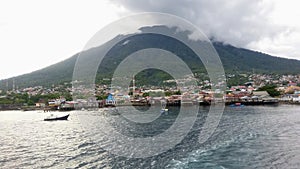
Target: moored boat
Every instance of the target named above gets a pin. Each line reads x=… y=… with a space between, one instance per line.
x=54 y=118
x=237 y=105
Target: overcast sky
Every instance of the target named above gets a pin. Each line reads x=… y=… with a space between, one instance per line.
x=35 y=34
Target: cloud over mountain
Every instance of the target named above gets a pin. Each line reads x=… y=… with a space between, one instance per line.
x=243 y=23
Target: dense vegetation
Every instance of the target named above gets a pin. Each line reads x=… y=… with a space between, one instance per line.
x=235 y=61
x=236 y=80
x=244 y=60
x=271 y=89
x=25 y=99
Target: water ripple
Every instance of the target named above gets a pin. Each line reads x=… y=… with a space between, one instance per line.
x=251 y=137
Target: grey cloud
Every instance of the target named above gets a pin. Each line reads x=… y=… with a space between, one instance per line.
x=237 y=22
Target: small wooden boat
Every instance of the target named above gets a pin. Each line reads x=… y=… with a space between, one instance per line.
x=237 y=105
x=54 y=118
x=163 y=103
x=164 y=110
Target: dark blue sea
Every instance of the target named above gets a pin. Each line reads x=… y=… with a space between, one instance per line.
x=246 y=137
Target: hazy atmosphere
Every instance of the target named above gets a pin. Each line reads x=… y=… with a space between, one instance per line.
x=150 y=84
x=36 y=34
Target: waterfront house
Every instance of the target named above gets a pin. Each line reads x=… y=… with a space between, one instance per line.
x=292 y=89
x=110 y=101
x=292 y=84
x=41 y=103
x=263 y=96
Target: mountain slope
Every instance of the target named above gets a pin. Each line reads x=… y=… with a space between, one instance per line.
x=54 y=74
x=239 y=59
x=235 y=60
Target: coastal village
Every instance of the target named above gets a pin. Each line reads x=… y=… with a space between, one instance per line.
x=258 y=89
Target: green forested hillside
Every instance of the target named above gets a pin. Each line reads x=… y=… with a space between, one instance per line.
x=244 y=60
x=235 y=60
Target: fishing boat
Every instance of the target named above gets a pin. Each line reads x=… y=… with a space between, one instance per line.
x=53 y=117
x=237 y=105
x=164 y=111
x=163 y=107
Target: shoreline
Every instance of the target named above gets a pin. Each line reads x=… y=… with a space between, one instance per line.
x=227 y=104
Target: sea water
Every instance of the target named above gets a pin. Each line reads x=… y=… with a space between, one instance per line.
x=246 y=137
